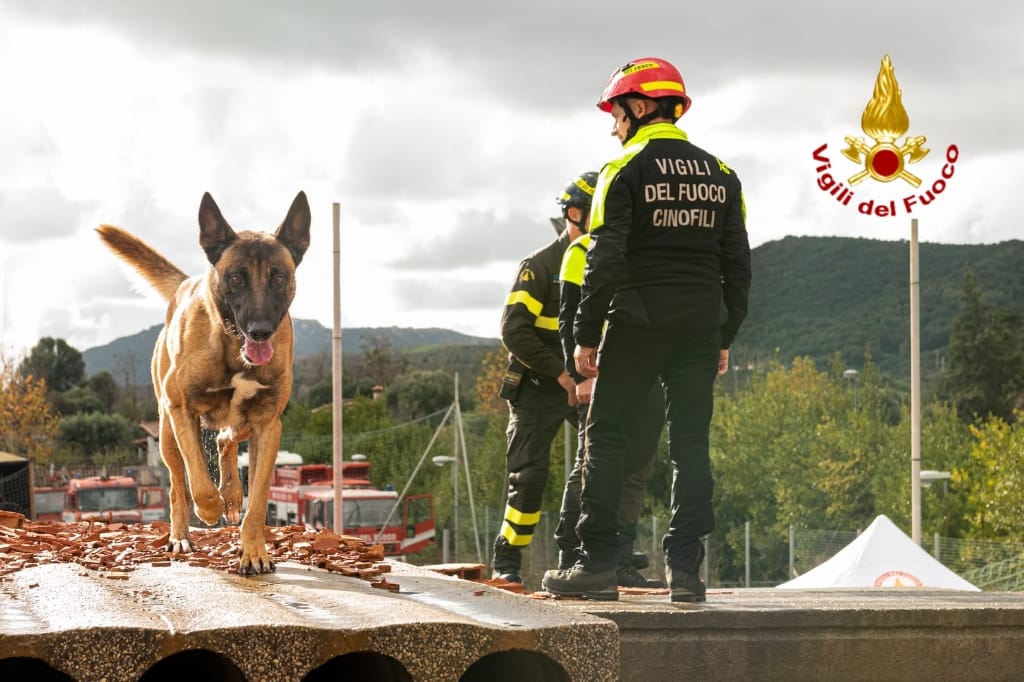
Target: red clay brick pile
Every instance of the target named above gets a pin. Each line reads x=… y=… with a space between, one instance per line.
x=116 y=549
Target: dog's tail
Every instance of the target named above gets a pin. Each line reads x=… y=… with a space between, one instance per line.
x=161 y=274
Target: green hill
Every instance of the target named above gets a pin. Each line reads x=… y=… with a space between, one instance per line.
x=311 y=338
x=812 y=296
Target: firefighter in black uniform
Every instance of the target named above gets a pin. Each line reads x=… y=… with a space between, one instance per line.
x=540 y=392
x=645 y=434
x=669 y=266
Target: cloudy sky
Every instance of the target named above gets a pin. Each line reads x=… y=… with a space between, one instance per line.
x=445 y=129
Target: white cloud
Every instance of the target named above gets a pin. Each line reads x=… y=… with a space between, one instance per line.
x=445 y=130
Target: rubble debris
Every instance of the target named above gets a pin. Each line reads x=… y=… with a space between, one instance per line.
x=115 y=549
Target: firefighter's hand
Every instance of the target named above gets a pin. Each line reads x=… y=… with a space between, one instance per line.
x=723 y=361
x=566 y=382
x=584 y=389
x=586 y=361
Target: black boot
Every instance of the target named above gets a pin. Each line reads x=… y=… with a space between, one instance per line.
x=628 y=573
x=507 y=562
x=681 y=573
x=684 y=586
x=627 y=576
x=579 y=581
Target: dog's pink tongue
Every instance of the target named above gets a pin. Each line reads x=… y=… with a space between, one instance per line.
x=258 y=352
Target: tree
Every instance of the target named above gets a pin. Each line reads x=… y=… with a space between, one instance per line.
x=103 y=386
x=986 y=358
x=790 y=448
x=365 y=414
x=945 y=446
x=488 y=383
x=420 y=393
x=360 y=387
x=380 y=362
x=96 y=434
x=128 y=369
x=54 y=361
x=310 y=432
x=27 y=426
x=77 y=400
x=993 y=479
x=320 y=393
x=98 y=394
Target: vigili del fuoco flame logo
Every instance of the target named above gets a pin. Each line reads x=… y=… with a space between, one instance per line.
x=886 y=158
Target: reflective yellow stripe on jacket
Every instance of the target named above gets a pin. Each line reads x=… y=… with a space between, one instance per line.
x=575 y=261
x=535 y=307
x=612 y=168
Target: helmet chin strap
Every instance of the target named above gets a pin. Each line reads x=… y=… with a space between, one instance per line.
x=635 y=122
x=578 y=225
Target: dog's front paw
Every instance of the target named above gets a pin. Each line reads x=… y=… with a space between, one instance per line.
x=233 y=507
x=233 y=514
x=255 y=560
x=209 y=507
x=180 y=546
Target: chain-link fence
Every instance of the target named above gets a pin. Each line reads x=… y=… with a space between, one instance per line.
x=753 y=561
x=987 y=564
x=14 y=486
x=990 y=565
x=542 y=553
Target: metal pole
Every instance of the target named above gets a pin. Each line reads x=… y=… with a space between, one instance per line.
x=338 y=457
x=487 y=534
x=654 y=538
x=707 y=560
x=416 y=469
x=469 y=480
x=455 y=473
x=915 y=388
x=792 y=552
x=746 y=553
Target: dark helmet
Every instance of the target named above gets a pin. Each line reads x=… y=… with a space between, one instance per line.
x=579 y=192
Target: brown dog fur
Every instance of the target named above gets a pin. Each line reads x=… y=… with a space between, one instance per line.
x=204 y=374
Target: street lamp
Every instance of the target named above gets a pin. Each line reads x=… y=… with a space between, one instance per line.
x=852 y=375
x=929 y=476
x=441 y=460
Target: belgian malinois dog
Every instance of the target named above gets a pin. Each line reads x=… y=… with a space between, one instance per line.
x=223 y=361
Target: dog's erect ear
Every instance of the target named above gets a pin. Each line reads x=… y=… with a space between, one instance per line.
x=294 y=231
x=215 y=234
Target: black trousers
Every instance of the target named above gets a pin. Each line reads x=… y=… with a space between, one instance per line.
x=630 y=360
x=535 y=417
x=644 y=433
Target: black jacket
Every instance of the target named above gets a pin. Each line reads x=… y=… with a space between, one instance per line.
x=573 y=263
x=669 y=241
x=529 y=321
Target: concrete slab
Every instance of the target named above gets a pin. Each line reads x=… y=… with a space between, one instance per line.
x=846 y=634
x=107 y=602
x=298 y=623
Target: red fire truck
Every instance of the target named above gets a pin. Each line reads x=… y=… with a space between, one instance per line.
x=304 y=495
x=48 y=503
x=112 y=498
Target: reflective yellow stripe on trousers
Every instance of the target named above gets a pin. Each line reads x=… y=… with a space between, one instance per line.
x=514 y=516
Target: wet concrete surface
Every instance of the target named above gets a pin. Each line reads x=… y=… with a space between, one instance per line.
x=107 y=603
x=286 y=625
x=837 y=634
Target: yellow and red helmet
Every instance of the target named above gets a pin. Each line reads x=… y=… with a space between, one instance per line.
x=646 y=77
